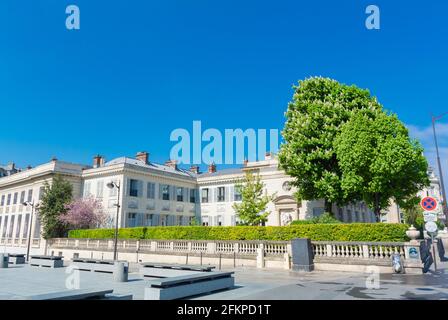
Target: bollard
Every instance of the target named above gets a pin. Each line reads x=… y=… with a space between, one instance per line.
x=120 y=272
x=4 y=260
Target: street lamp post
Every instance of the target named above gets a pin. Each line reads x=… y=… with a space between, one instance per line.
x=442 y=185
x=33 y=207
x=112 y=185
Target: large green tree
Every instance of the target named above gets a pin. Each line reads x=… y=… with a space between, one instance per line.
x=379 y=160
x=319 y=107
x=56 y=197
x=252 y=209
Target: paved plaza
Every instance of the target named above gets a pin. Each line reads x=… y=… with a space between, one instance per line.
x=251 y=284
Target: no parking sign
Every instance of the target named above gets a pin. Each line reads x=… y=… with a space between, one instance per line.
x=429 y=204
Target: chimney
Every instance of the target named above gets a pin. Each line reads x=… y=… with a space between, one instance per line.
x=245 y=162
x=194 y=169
x=54 y=159
x=29 y=167
x=172 y=164
x=212 y=168
x=98 y=161
x=143 y=156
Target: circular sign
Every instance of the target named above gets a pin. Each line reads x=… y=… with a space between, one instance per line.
x=431 y=226
x=413 y=253
x=429 y=204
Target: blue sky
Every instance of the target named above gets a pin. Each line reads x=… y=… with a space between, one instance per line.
x=136 y=70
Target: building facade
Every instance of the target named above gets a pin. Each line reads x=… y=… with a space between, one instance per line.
x=151 y=194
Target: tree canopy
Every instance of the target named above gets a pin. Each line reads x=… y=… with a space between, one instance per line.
x=378 y=159
x=319 y=108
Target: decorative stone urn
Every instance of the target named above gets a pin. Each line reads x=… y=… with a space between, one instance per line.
x=413 y=233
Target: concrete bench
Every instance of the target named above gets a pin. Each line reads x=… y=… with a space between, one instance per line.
x=79 y=294
x=159 y=270
x=16 y=258
x=120 y=269
x=189 y=285
x=47 y=261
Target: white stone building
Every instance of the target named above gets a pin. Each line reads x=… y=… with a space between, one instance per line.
x=153 y=194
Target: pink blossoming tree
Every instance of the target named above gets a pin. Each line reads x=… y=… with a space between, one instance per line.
x=84 y=213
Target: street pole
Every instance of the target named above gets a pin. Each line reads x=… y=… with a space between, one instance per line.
x=442 y=185
x=29 y=233
x=116 y=223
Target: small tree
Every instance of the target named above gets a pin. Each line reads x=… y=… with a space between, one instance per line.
x=53 y=204
x=84 y=214
x=252 y=209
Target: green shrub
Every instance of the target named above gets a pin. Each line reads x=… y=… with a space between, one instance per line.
x=316 y=232
x=324 y=218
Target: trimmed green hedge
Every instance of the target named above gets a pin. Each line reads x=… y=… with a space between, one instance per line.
x=316 y=232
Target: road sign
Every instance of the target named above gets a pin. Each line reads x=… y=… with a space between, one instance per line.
x=431 y=227
x=429 y=216
x=429 y=204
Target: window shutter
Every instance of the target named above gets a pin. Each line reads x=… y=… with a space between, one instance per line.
x=215 y=220
x=186 y=195
x=227 y=191
x=172 y=192
x=233 y=220
x=160 y=191
x=215 y=194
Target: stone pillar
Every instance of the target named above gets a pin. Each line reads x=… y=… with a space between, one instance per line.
x=4 y=260
x=260 y=256
x=120 y=272
x=302 y=255
x=287 y=264
x=413 y=261
x=211 y=247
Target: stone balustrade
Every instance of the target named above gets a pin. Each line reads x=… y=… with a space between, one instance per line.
x=328 y=255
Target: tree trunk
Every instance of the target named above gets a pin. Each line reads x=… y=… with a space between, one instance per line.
x=328 y=207
x=377 y=207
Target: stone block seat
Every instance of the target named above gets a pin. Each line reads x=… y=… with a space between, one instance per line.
x=188 y=285
x=46 y=261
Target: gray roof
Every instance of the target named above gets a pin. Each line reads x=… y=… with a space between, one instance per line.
x=150 y=165
x=221 y=172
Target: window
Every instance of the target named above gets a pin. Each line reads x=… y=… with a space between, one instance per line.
x=99 y=188
x=151 y=190
x=2 y=202
x=205 y=195
x=37 y=228
x=11 y=226
x=26 y=226
x=8 y=201
x=22 y=197
x=133 y=188
x=165 y=192
x=132 y=219
x=16 y=195
x=192 y=195
x=5 y=226
x=148 y=219
x=237 y=195
x=41 y=192
x=180 y=194
x=19 y=222
x=30 y=195
x=221 y=194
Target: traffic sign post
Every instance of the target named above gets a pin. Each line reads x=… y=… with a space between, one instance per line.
x=431 y=228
